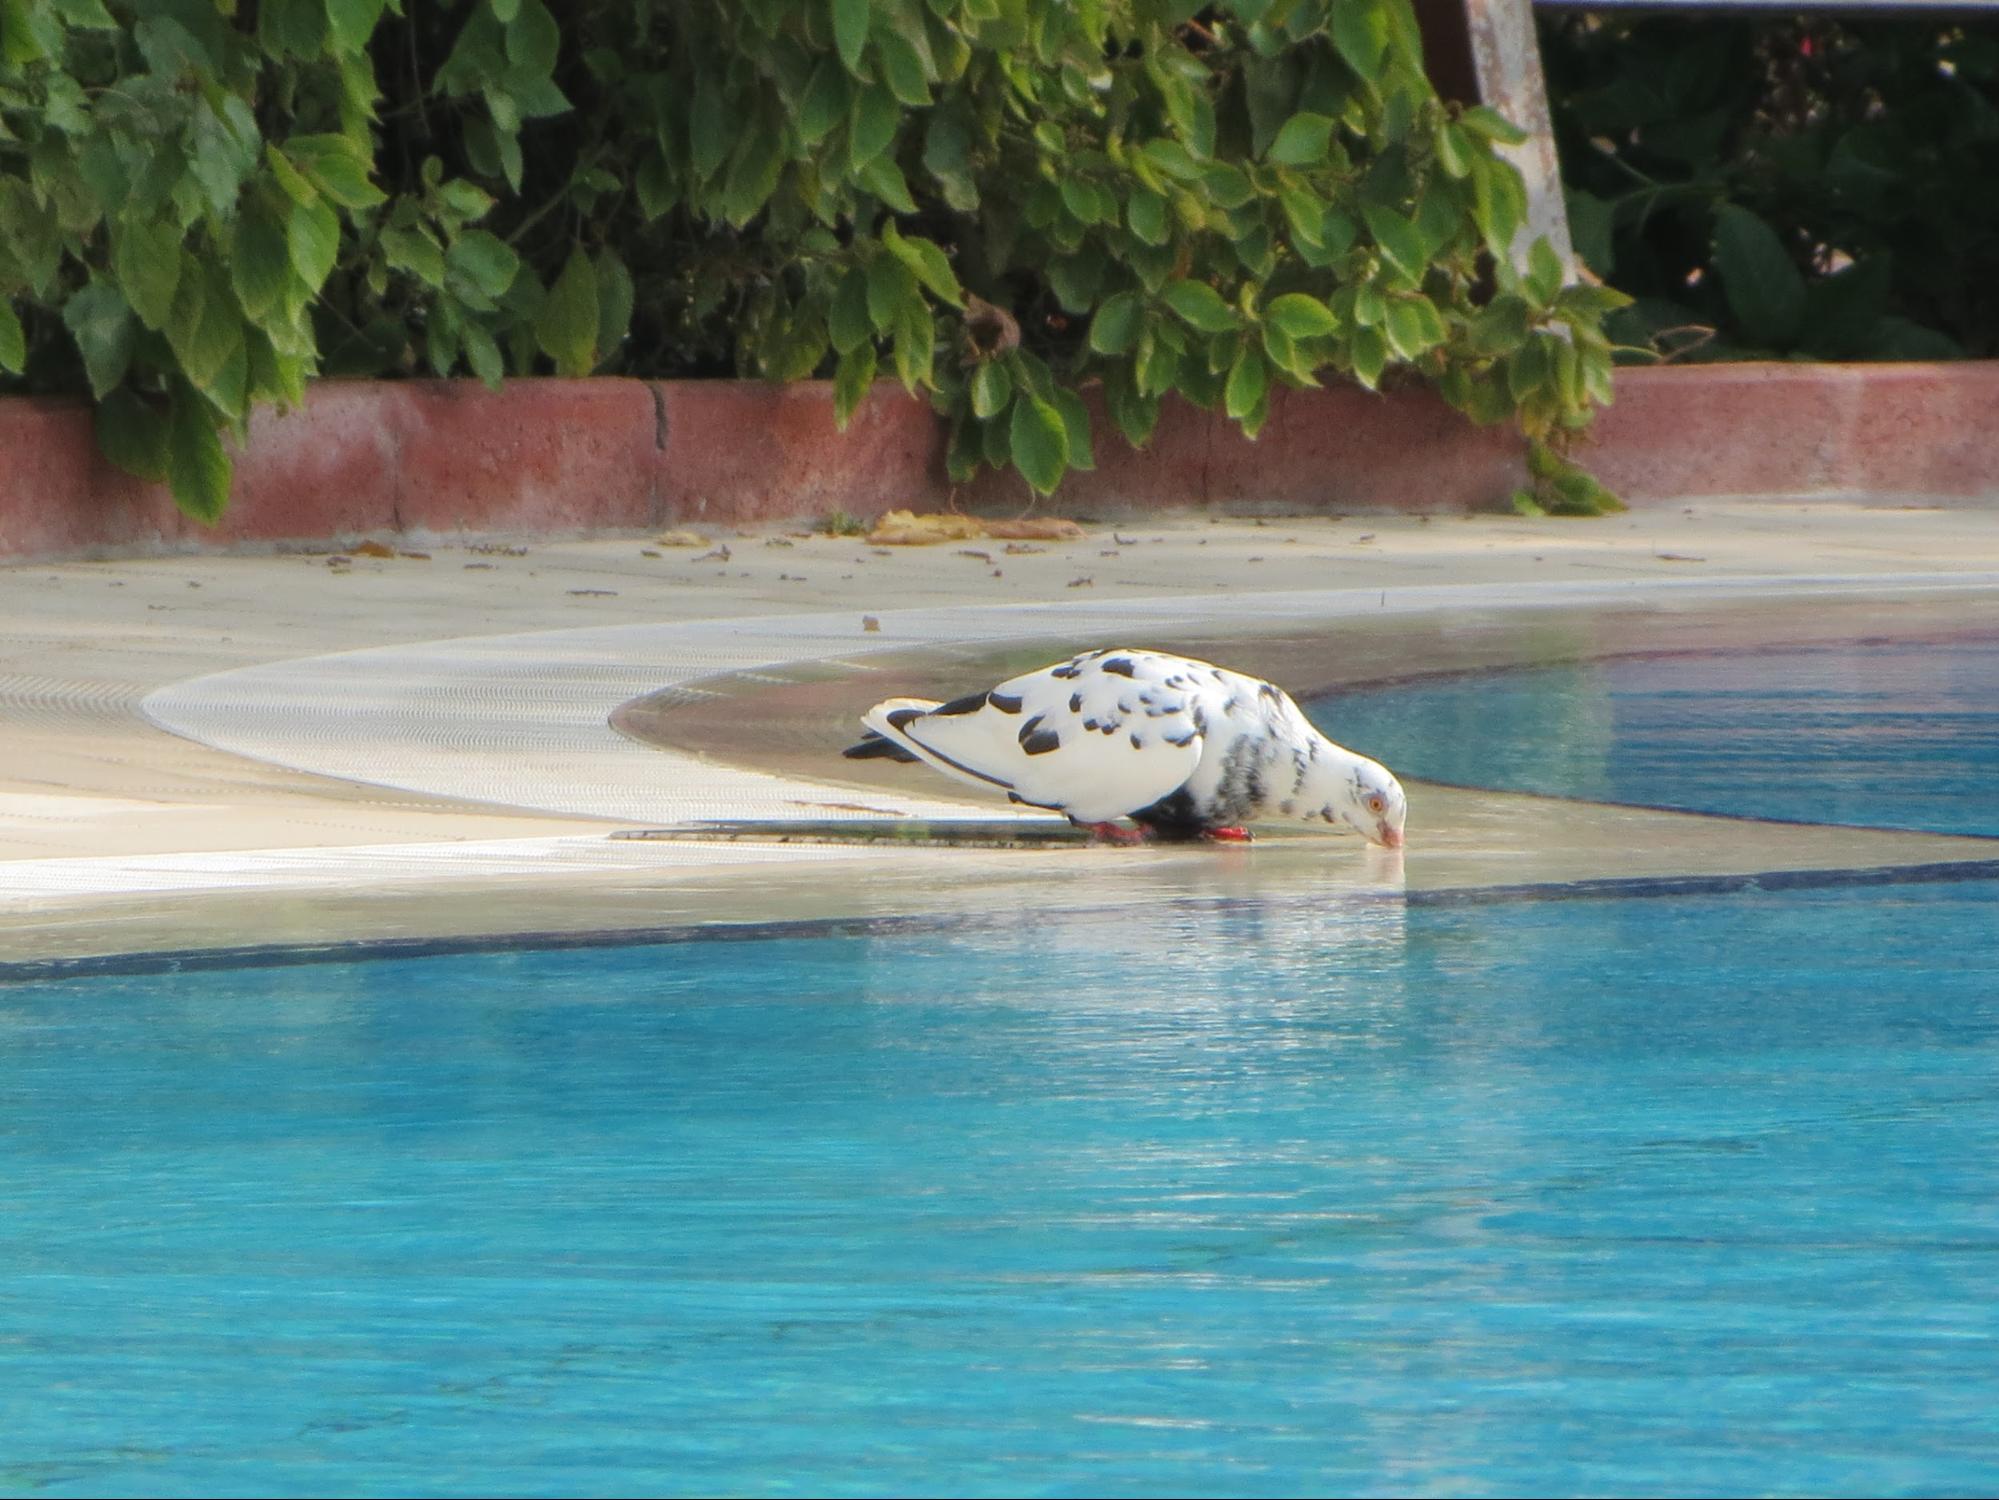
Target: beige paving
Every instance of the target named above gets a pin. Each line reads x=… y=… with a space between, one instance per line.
x=84 y=779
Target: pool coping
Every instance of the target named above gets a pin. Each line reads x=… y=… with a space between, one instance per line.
x=143 y=962
x=348 y=951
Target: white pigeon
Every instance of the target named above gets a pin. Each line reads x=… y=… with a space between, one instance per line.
x=1182 y=748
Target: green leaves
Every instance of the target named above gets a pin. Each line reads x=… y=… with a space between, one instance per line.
x=616 y=296
x=312 y=236
x=1560 y=488
x=1301 y=316
x=1735 y=204
x=566 y=326
x=884 y=180
x=14 y=341
x=145 y=255
x=1146 y=213
x=927 y=262
x=533 y=40
x=850 y=31
x=1500 y=327
x=708 y=128
x=1592 y=224
x=1040 y=442
x=852 y=380
x=782 y=187
x=1499 y=204
x=132 y=433
x=875 y=118
x=947 y=154
x=1844 y=312
x=198 y=471
x=1543 y=281
x=1490 y=125
x=1248 y=385
x=1400 y=241
x=753 y=175
x=1076 y=424
x=338 y=166
x=1369 y=353
x=86 y=15
x=1455 y=151
x=482 y=354
x=848 y=321
x=890 y=284
x=1115 y=329
x=902 y=67
x=824 y=104
x=992 y=388
x=1413 y=326
x=352 y=22
x=484 y=260
x=1762 y=284
x=259 y=260
x=1200 y=305
x=205 y=327
x=915 y=343
x=1188 y=106
x=225 y=148
x=415 y=251
x=1172 y=159
x=1302 y=141
x=1360 y=33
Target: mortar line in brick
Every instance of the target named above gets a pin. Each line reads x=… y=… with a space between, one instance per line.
x=1208 y=459
x=661 y=435
x=396 y=434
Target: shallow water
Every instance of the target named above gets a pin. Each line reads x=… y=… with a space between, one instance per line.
x=1897 y=734
x=1646 y=1196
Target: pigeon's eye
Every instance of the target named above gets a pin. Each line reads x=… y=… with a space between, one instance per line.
x=1377 y=804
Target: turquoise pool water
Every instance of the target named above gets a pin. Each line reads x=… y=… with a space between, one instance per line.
x=1888 y=734
x=1642 y=1196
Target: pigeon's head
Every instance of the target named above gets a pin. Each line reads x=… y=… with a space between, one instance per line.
x=1374 y=805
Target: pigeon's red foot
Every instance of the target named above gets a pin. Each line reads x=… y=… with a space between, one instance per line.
x=1114 y=833
x=1229 y=836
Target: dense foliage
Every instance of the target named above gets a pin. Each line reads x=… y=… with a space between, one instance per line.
x=205 y=202
x=1794 y=185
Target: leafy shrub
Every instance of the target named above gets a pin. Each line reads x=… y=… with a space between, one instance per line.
x=997 y=201
x=1793 y=186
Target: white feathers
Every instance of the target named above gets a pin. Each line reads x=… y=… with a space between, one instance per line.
x=1180 y=745
x=1081 y=739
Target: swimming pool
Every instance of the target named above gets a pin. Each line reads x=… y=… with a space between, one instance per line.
x=1688 y=1193
x=1878 y=733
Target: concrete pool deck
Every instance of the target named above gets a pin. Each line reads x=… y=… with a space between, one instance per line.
x=378 y=764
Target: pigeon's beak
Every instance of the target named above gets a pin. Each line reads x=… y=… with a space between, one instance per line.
x=1391 y=838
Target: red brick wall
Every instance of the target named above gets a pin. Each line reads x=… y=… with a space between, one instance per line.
x=556 y=456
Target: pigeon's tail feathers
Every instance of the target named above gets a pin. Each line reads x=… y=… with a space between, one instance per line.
x=878 y=747
x=887 y=717
x=893 y=719
x=885 y=739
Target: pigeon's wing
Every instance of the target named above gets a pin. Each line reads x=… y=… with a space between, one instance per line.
x=1099 y=736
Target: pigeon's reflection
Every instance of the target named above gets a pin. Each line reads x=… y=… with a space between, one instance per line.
x=1185 y=966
